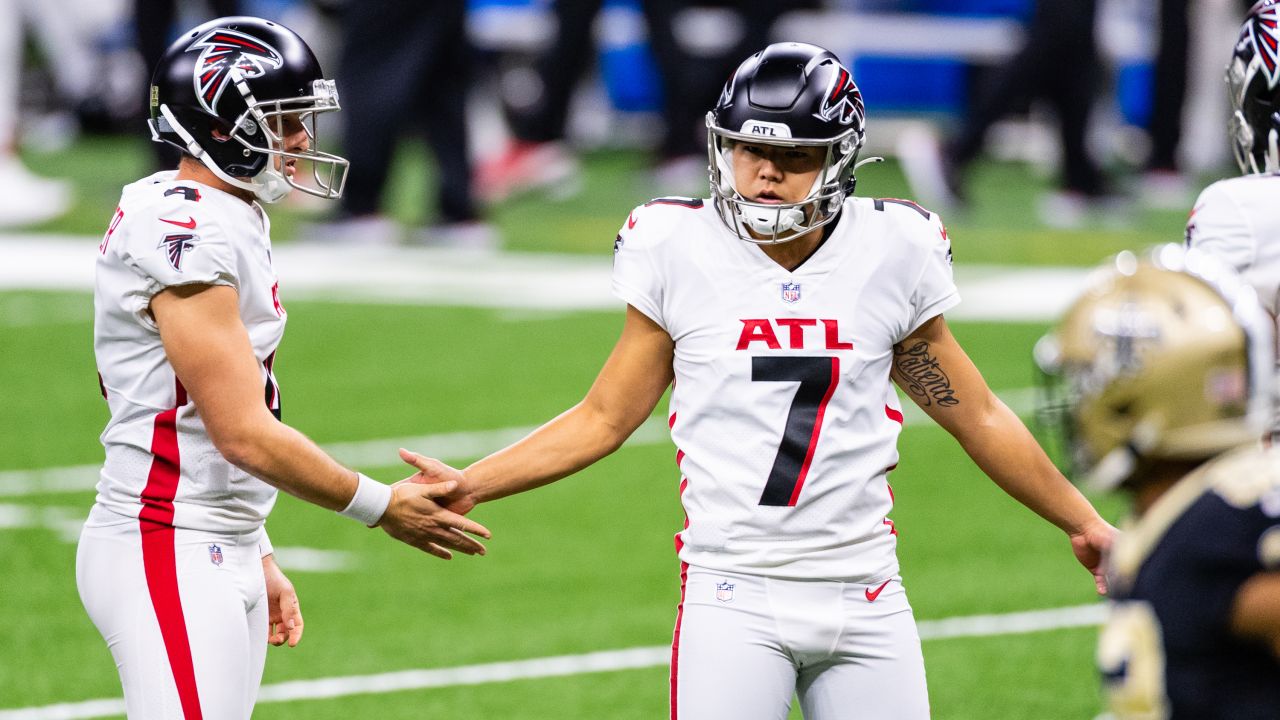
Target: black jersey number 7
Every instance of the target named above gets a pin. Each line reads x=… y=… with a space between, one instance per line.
x=818 y=377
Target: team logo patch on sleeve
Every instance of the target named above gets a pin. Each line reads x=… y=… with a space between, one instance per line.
x=215 y=554
x=790 y=292
x=176 y=246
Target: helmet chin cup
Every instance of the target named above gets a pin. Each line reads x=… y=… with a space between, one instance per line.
x=771 y=223
x=271 y=186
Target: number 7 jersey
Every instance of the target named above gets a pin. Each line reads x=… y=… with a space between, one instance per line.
x=782 y=410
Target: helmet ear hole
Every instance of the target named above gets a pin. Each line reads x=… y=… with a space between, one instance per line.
x=220 y=131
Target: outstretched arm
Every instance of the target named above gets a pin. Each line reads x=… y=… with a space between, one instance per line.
x=932 y=368
x=628 y=387
x=210 y=351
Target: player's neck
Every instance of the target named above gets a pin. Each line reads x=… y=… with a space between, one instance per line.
x=792 y=253
x=191 y=169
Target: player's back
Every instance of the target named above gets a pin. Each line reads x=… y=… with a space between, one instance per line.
x=1175 y=575
x=160 y=462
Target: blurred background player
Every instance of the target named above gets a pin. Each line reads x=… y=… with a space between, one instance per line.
x=174 y=566
x=27 y=198
x=690 y=75
x=780 y=310
x=1160 y=374
x=1059 y=62
x=405 y=70
x=1236 y=219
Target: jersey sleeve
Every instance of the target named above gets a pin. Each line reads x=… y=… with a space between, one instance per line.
x=174 y=244
x=1218 y=226
x=935 y=291
x=636 y=280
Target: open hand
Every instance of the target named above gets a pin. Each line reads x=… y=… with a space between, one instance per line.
x=416 y=517
x=284 y=615
x=431 y=471
x=1089 y=546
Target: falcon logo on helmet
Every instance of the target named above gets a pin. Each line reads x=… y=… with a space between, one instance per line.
x=1264 y=34
x=222 y=51
x=843 y=101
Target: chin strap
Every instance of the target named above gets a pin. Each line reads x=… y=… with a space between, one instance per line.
x=268 y=186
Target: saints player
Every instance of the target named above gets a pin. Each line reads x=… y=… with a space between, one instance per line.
x=173 y=564
x=781 y=308
x=1162 y=369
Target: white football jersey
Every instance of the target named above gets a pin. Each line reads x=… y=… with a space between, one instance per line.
x=1238 y=220
x=783 y=413
x=160 y=464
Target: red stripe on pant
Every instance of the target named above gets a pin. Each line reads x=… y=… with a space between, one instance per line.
x=675 y=638
x=159 y=559
x=162 y=583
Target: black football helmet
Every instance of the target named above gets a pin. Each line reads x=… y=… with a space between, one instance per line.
x=789 y=94
x=1253 y=82
x=222 y=93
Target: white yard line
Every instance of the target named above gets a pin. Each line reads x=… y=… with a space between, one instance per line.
x=565 y=665
x=530 y=281
x=382 y=453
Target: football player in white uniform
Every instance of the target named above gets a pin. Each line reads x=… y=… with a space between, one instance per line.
x=780 y=309
x=173 y=565
x=1236 y=219
x=1163 y=368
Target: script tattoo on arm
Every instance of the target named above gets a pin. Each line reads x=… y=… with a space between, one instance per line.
x=922 y=376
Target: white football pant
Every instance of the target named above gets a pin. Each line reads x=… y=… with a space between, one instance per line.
x=184 y=613
x=745 y=644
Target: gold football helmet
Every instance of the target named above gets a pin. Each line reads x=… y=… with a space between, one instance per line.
x=1164 y=357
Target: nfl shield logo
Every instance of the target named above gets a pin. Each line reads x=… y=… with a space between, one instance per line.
x=790 y=292
x=215 y=554
x=724 y=591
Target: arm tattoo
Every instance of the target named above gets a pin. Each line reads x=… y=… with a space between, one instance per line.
x=922 y=375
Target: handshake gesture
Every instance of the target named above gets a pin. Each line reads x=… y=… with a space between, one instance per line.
x=427 y=508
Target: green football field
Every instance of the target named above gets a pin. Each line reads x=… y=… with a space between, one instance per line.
x=577 y=572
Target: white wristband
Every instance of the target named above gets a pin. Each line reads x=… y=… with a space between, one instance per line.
x=369 y=502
